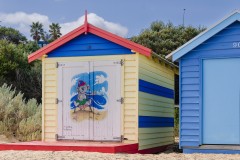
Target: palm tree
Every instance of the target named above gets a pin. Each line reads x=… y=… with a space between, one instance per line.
x=54 y=31
x=36 y=31
x=46 y=37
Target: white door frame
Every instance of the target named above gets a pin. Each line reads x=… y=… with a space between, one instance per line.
x=60 y=95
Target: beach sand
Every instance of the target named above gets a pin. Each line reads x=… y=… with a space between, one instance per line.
x=63 y=155
x=73 y=155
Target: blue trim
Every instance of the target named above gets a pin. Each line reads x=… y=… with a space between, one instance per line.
x=212 y=53
x=89 y=53
x=154 y=89
x=151 y=122
x=89 y=45
x=204 y=36
x=180 y=102
x=200 y=102
x=210 y=151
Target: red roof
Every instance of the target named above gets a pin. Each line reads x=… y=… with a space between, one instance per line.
x=84 y=29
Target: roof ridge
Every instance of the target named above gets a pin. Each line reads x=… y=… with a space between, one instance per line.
x=89 y=28
x=204 y=32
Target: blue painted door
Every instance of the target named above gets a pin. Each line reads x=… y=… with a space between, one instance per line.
x=221 y=97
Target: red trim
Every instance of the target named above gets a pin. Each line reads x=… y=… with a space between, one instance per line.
x=154 y=150
x=127 y=148
x=81 y=146
x=62 y=146
x=94 y=30
x=85 y=23
x=119 y=40
x=55 y=44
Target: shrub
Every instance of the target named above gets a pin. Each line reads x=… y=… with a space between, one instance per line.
x=18 y=118
x=176 y=122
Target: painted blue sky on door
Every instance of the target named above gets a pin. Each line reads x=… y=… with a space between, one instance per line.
x=89 y=90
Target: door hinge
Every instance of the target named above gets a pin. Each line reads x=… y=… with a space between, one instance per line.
x=121 y=100
x=57 y=137
x=121 y=62
x=59 y=65
x=121 y=138
x=58 y=101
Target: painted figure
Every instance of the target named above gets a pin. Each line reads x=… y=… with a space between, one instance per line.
x=82 y=102
x=92 y=97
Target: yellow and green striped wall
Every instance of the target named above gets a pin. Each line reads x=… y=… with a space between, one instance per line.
x=155 y=103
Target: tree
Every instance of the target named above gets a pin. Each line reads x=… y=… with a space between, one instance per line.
x=15 y=70
x=36 y=31
x=164 y=38
x=20 y=114
x=8 y=58
x=11 y=35
x=54 y=30
x=28 y=47
x=46 y=37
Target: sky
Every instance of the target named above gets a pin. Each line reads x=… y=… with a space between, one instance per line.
x=125 y=18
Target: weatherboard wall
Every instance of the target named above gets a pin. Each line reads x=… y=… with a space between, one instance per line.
x=156 y=104
x=129 y=91
x=221 y=45
x=147 y=86
x=89 y=45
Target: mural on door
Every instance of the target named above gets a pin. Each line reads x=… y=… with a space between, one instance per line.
x=89 y=94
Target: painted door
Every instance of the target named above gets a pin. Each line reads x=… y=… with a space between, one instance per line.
x=88 y=108
x=107 y=124
x=221 y=97
x=69 y=125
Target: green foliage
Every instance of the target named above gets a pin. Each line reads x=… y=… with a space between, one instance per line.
x=8 y=57
x=36 y=31
x=176 y=122
x=15 y=70
x=28 y=47
x=11 y=35
x=18 y=118
x=29 y=81
x=164 y=38
x=55 y=31
x=46 y=37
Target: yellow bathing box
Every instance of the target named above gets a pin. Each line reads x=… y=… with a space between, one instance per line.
x=97 y=86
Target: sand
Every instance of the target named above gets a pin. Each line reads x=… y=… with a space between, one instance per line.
x=70 y=155
x=4 y=139
x=63 y=155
